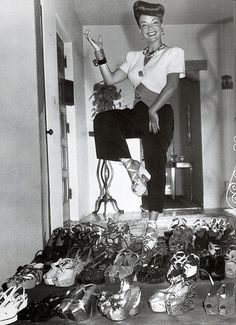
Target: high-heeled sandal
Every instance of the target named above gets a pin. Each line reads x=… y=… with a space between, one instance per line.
x=227 y=299
x=123 y=267
x=11 y=302
x=119 y=306
x=181 y=301
x=84 y=305
x=157 y=301
x=150 y=237
x=183 y=266
x=139 y=178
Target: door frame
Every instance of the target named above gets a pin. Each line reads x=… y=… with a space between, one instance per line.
x=45 y=193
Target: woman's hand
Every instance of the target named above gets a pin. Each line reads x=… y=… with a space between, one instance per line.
x=153 y=121
x=96 y=45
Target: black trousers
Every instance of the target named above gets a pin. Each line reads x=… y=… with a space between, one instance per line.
x=112 y=128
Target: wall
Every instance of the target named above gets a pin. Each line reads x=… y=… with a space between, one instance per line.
x=59 y=16
x=228 y=109
x=200 y=42
x=20 y=198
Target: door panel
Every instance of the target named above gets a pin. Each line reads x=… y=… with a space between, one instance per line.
x=63 y=133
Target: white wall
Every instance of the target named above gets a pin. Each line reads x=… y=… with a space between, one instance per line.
x=200 y=42
x=20 y=198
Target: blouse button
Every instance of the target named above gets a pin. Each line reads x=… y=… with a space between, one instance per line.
x=140 y=73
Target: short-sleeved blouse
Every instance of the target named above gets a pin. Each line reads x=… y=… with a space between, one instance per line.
x=154 y=74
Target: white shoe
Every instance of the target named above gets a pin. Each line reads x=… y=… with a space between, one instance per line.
x=139 y=178
x=151 y=237
x=12 y=301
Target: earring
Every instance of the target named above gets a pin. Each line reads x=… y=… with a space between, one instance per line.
x=162 y=31
x=141 y=34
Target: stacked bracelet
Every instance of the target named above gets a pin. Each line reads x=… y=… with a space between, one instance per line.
x=100 y=58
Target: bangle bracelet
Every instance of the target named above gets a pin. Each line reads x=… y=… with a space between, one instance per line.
x=99 y=62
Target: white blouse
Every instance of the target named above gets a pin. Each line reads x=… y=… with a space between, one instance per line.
x=154 y=74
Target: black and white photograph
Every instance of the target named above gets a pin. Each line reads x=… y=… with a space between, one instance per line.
x=118 y=162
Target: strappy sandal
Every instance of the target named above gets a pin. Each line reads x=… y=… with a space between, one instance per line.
x=183 y=267
x=70 y=268
x=11 y=302
x=94 y=270
x=157 y=270
x=151 y=237
x=139 y=178
x=84 y=305
x=123 y=267
x=180 y=236
x=121 y=305
x=63 y=307
x=157 y=301
x=181 y=301
x=80 y=303
x=27 y=276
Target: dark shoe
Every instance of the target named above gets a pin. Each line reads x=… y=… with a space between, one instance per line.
x=41 y=311
x=157 y=268
x=207 y=263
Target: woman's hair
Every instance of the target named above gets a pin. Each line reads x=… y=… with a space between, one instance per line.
x=149 y=9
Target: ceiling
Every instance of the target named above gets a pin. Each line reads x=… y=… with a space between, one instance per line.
x=120 y=12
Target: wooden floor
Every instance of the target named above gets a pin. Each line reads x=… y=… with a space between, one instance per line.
x=137 y=222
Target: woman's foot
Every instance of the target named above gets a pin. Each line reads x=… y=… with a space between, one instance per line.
x=150 y=238
x=138 y=175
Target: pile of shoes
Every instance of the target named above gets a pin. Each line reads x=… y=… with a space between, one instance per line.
x=86 y=255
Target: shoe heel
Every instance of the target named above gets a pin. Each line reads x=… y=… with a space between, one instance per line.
x=144 y=173
x=227 y=299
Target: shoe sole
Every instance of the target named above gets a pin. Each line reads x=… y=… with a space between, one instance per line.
x=9 y=320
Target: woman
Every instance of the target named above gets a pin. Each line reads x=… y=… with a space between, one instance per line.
x=154 y=72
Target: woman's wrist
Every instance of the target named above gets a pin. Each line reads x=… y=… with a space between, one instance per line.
x=99 y=57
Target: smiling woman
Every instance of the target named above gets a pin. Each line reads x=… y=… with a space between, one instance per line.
x=156 y=71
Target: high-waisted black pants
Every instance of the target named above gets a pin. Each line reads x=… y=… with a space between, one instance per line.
x=112 y=128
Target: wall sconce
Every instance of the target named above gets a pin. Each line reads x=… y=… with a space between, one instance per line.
x=226 y=82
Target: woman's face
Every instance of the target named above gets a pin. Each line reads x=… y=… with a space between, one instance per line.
x=150 y=27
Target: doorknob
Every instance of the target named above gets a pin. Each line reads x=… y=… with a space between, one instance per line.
x=50 y=131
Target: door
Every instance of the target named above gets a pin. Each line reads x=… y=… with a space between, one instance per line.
x=190 y=145
x=64 y=129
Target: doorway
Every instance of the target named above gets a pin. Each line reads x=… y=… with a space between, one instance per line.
x=187 y=146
